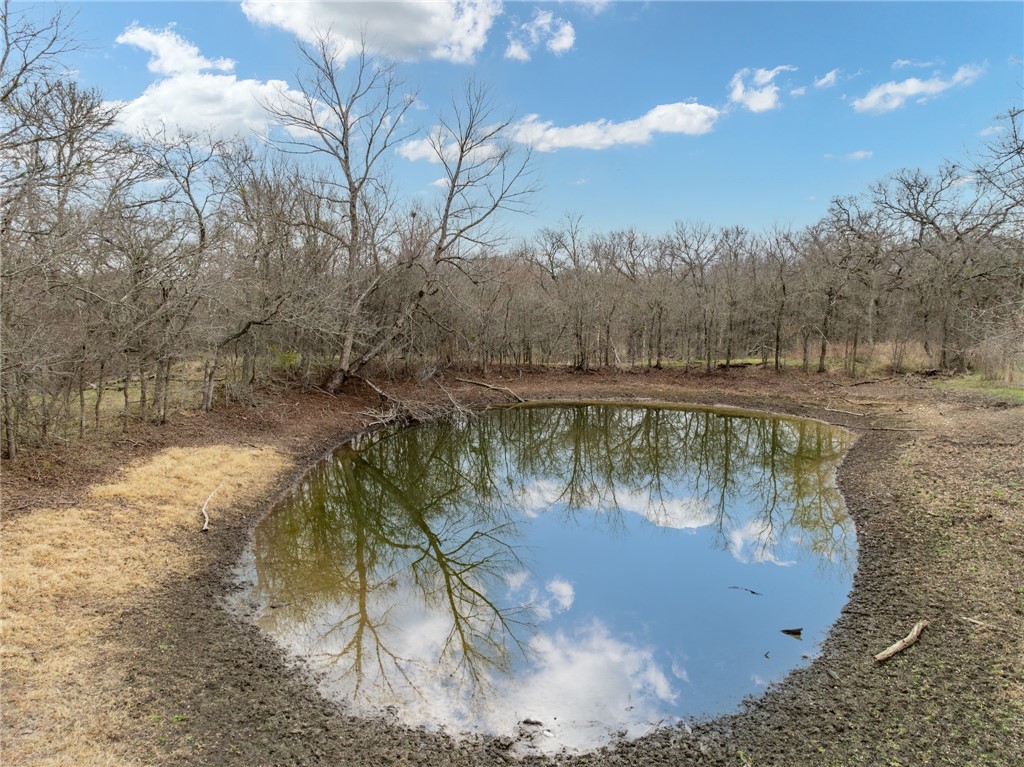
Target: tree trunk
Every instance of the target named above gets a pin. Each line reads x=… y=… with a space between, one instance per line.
x=165 y=392
x=143 y=394
x=10 y=428
x=99 y=394
x=81 y=402
x=209 y=378
x=778 y=345
x=127 y=381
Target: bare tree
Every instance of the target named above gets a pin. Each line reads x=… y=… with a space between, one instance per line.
x=30 y=54
x=352 y=114
x=1001 y=166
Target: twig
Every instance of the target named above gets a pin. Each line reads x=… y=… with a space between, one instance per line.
x=381 y=417
x=494 y=388
x=844 y=412
x=749 y=591
x=904 y=643
x=206 y=516
x=459 y=408
x=976 y=622
x=871 y=381
x=890 y=428
x=377 y=389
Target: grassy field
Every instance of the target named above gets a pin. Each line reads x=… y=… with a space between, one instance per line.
x=68 y=571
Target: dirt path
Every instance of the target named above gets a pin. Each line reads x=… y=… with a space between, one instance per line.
x=117 y=652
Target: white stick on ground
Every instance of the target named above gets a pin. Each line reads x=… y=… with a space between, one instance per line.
x=904 y=643
x=206 y=517
x=493 y=388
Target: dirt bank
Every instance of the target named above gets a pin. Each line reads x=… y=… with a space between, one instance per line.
x=155 y=672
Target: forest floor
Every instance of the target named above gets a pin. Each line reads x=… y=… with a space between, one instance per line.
x=117 y=650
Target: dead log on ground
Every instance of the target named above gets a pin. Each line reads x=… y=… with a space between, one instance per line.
x=903 y=644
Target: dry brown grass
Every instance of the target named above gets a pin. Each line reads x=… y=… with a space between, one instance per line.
x=68 y=572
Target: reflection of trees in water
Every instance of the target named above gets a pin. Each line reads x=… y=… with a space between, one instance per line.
x=380 y=524
x=779 y=471
x=428 y=514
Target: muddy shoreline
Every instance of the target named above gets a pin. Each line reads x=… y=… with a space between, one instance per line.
x=201 y=686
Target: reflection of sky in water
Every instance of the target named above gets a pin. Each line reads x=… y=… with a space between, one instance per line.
x=620 y=588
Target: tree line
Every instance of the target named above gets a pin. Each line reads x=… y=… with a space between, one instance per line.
x=142 y=270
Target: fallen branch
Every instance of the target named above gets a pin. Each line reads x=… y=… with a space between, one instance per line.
x=872 y=380
x=206 y=516
x=381 y=417
x=890 y=428
x=494 y=388
x=458 y=407
x=903 y=644
x=379 y=390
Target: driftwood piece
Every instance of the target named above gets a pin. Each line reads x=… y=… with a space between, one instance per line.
x=903 y=644
x=206 y=516
x=494 y=388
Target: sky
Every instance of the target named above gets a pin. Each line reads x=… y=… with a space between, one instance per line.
x=638 y=114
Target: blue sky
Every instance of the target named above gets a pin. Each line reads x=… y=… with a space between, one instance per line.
x=639 y=114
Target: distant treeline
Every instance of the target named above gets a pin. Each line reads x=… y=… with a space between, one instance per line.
x=129 y=260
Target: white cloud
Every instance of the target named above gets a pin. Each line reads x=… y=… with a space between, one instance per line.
x=860 y=154
x=893 y=95
x=172 y=54
x=555 y=34
x=419 y=149
x=563 y=39
x=594 y=6
x=798 y=91
x=756 y=88
x=517 y=580
x=516 y=50
x=590 y=684
x=557 y=596
x=970 y=178
x=584 y=682
x=426 y=149
x=679 y=672
x=562 y=592
x=452 y=30
x=754 y=542
x=991 y=130
x=682 y=117
x=190 y=97
x=903 y=63
x=827 y=80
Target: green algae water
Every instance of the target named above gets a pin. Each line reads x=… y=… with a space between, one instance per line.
x=563 y=575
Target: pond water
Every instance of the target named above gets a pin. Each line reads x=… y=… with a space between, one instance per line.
x=565 y=575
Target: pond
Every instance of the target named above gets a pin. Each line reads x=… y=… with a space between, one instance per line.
x=561 y=574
